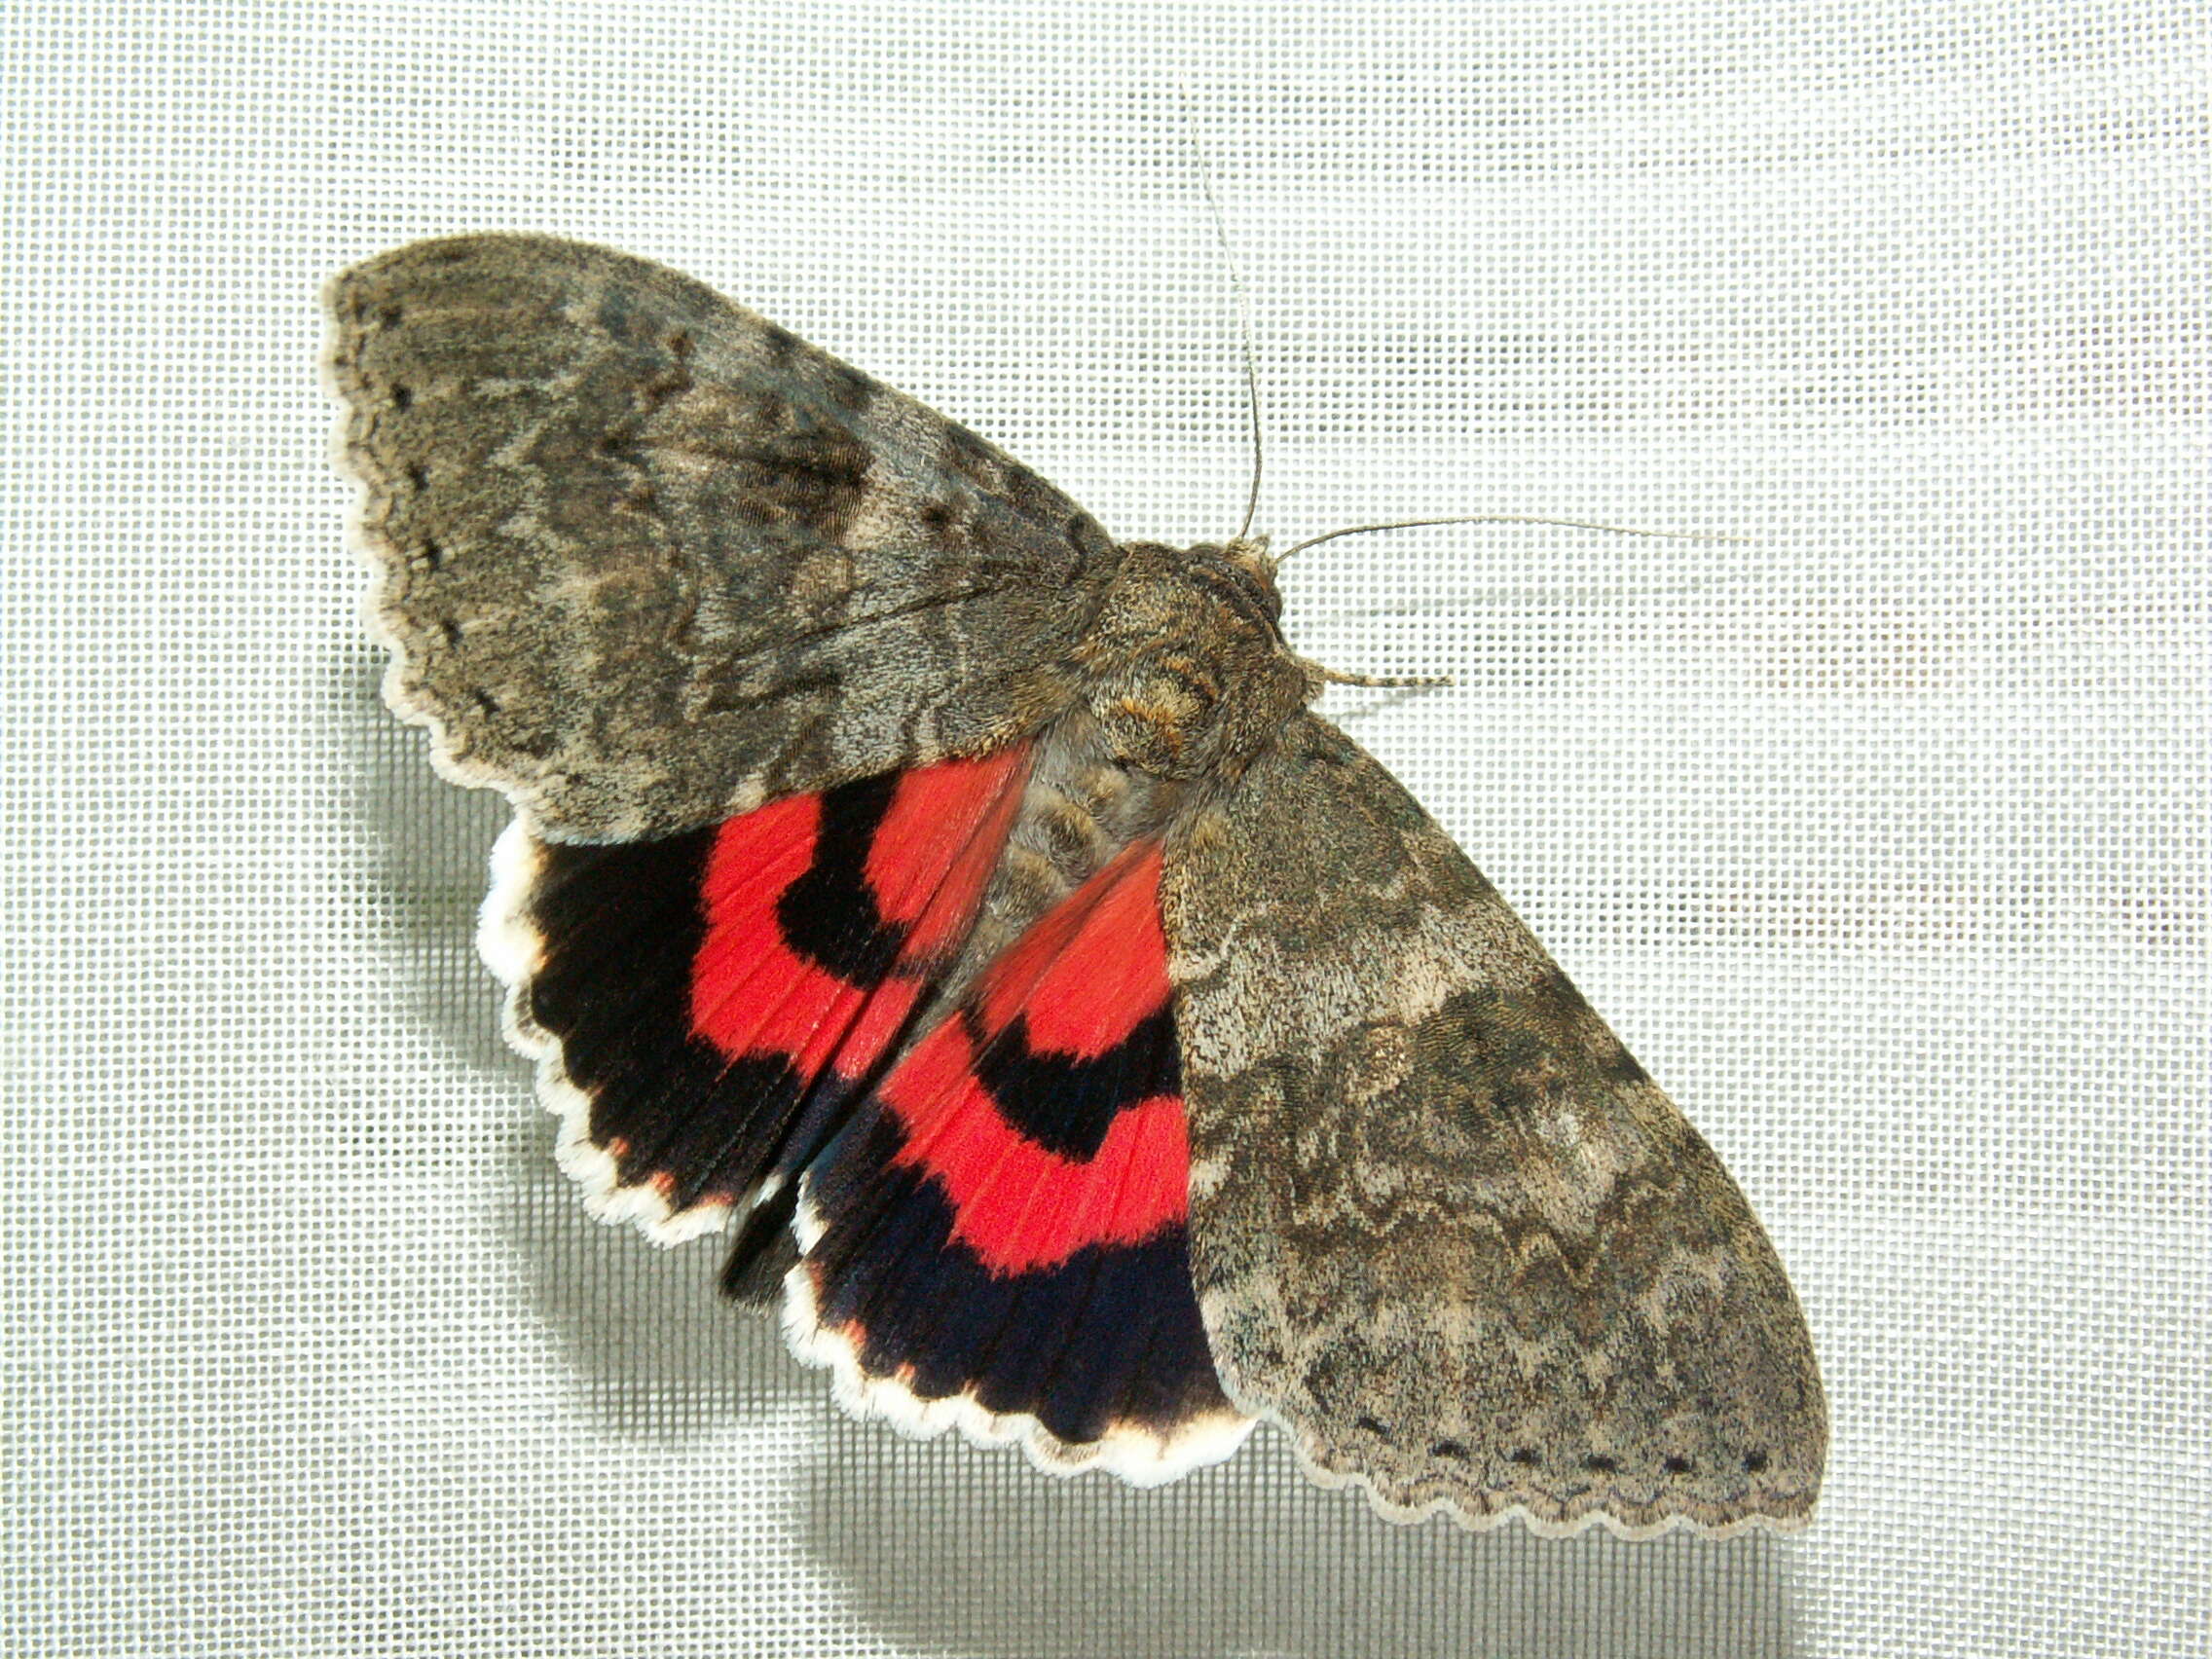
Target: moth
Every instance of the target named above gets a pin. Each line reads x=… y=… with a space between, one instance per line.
x=1085 y=1044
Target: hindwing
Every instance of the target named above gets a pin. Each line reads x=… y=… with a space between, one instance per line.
x=995 y=1240
x=704 y=1008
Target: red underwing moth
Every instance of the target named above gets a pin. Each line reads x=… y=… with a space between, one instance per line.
x=1084 y=1043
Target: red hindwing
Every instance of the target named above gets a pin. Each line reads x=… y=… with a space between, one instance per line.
x=710 y=1004
x=1077 y=987
x=997 y=1236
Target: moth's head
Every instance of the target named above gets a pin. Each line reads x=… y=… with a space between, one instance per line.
x=1244 y=566
x=1251 y=551
x=1186 y=667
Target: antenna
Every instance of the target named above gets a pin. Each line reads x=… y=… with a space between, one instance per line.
x=1380 y=682
x=1335 y=676
x=1243 y=303
x=1505 y=518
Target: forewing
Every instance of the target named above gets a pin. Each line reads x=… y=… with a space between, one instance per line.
x=646 y=560
x=1443 y=1227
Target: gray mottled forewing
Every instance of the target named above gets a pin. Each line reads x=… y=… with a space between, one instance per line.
x=1444 y=1228
x=646 y=559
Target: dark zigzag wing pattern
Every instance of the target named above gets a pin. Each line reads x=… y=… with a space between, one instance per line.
x=1445 y=1230
x=997 y=1239
x=644 y=558
x=712 y=1002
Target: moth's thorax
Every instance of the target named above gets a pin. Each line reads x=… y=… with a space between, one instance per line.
x=1182 y=679
x=1186 y=670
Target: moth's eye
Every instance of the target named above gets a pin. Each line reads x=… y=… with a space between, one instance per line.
x=1268 y=596
x=1255 y=587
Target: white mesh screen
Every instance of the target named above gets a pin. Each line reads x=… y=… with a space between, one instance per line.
x=1880 y=833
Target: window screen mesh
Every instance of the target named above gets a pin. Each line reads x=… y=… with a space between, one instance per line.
x=1880 y=833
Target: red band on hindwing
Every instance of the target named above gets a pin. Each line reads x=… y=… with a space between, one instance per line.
x=1003 y=1218
x=1015 y=1204
x=1048 y=1111
x=1086 y=975
x=718 y=997
x=931 y=858
x=825 y=914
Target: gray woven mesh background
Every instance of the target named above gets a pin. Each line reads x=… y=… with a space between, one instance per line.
x=1880 y=833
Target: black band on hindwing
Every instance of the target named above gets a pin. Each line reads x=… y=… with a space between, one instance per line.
x=621 y=925
x=1066 y=1104
x=829 y=914
x=1109 y=1336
